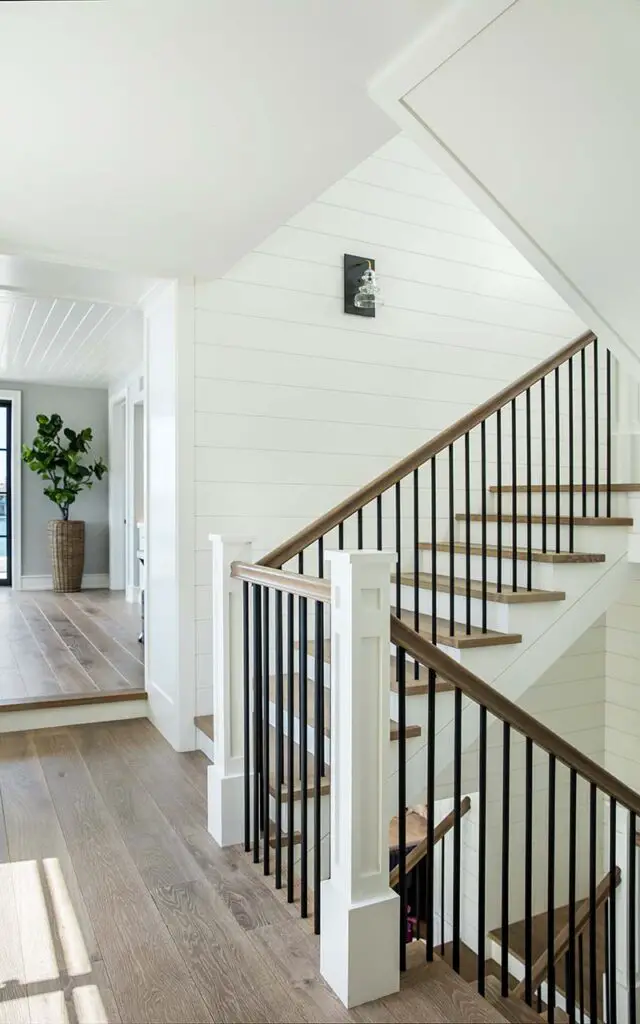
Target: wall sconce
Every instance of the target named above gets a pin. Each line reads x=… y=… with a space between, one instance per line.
x=361 y=290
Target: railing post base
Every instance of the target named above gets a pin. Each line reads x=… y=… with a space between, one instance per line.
x=225 y=778
x=359 y=952
x=360 y=924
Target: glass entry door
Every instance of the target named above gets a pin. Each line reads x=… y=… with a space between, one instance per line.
x=5 y=493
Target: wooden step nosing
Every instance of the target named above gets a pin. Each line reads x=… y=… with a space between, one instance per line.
x=506 y=553
x=506 y=596
x=538 y=520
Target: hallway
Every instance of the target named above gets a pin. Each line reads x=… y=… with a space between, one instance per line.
x=62 y=647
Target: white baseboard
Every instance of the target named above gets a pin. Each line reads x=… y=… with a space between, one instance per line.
x=90 y=581
x=79 y=714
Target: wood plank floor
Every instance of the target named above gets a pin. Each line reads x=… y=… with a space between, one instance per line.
x=68 y=646
x=116 y=904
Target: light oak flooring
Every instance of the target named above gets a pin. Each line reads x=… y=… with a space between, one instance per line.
x=68 y=646
x=116 y=904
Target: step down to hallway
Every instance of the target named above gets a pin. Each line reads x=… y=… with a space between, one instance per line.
x=411 y=730
x=476 y=517
x=537 y=555
x=516 y=1011
x=436 y=992
x=504 y=596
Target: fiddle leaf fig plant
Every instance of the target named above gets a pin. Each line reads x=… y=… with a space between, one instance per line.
x=59 y=460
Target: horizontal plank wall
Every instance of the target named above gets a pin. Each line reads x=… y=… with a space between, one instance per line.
x=622 y=708
x=298 y=404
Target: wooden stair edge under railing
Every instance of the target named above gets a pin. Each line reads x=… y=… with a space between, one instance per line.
x=420 y=851
x=540 y=969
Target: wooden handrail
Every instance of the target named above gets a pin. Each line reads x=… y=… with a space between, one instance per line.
x=313 y=587
x=421 y=849
x=501 y=707
x=540 y=968
x=319 y=527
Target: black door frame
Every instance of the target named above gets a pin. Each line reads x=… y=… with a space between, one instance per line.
x=6 y=403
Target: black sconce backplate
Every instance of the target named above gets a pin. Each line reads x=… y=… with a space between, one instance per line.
x=354 y=268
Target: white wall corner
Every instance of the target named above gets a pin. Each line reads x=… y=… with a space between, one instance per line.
x=226 y=777
x=359 y=939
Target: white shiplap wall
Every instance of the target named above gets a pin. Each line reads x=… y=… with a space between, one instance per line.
x=297 y=405
x=622 y=709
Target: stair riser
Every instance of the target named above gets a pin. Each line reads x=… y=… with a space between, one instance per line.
x=619 y=503
x=503 y=618
x=541 y=573
x=586 y=538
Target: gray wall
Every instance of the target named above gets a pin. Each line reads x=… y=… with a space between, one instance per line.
x=79 y=407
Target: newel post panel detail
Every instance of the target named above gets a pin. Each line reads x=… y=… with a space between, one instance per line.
x=225 y=783
x=359 y=937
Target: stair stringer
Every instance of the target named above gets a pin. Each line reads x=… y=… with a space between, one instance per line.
x=527 y=662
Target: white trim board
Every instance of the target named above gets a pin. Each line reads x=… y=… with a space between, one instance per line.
x=78 y=714
x=90 y=581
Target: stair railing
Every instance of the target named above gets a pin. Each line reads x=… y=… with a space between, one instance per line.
x=553 y=426
x=586 y=808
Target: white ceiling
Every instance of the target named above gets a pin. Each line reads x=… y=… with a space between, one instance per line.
x=67 y=341
x=168 y=137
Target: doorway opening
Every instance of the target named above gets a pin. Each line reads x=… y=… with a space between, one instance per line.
x=6 y=504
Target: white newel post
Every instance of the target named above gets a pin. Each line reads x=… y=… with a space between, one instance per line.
x=359 y=937
x=226 y=776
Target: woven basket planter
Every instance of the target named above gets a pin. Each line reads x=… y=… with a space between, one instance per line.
x=67 y=554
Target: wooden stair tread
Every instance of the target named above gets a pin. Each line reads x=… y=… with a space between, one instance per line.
x=461 y=639
x=416 y=830
x=565 y=488
x=505 y=596
x=506 y=517
x=325 y=781
x=516 y=1011
x=205 y=724
x=297 y=836
x=412 y=730
x=537 y=555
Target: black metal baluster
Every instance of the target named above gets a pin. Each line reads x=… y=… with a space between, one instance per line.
x=398 y=546
x=528 y=870
x=543 y=457
x=303 y=654
x=551 y=891
x=596 y=432
x=452 y=582
x=539 y=1000
x=416 y=564
x=457 y=838
x=279 y=737
x=571 y=458
x=571 y=953
x=434 y=550
x=581 y=975
x=607 y=965
x=514 y=495
x=431 y=765
x=583 y=388
x=467 y=536
x=258 y=767
x=608 y=407
x=593 y=917
x=556 y=374
x=340 y=536
x=402 y=803
x=631 y=920
x=612 y=869
x=499 y=498
x=482 y=846
x=379 y=522
x=246 y=680
x=506 y=790
x=290 y=745
x=360 y=530
x=529 y=509
x=483 y=485
x=266 y=731
x=443 y=865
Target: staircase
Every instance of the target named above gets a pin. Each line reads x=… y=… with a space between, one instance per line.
x=510 y=540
